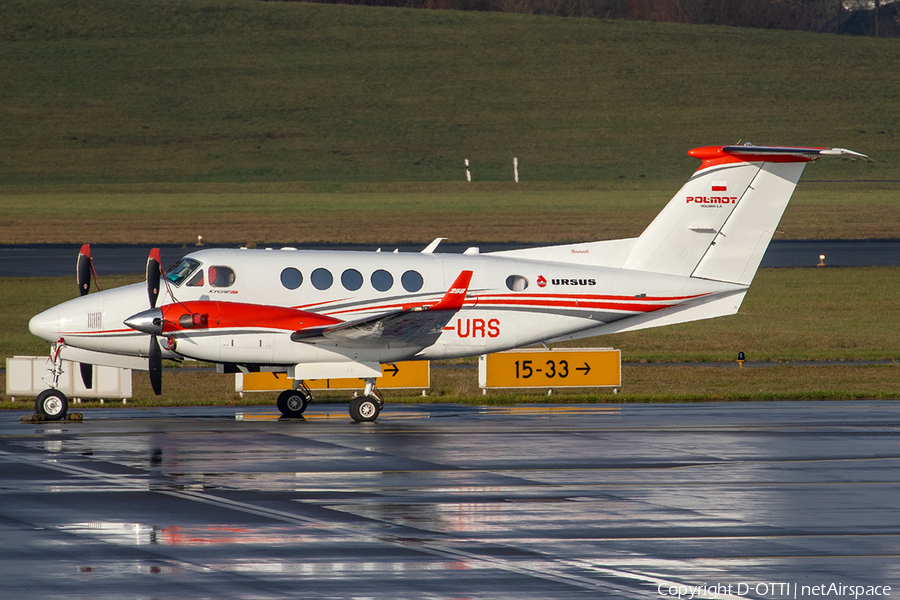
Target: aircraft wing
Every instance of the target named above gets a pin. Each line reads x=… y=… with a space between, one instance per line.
x=418 y=326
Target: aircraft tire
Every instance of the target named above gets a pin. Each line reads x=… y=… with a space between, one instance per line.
x=364 y=409
x=292 y=403
x=52 y=404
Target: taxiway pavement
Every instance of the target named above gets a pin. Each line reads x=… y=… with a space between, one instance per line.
x=447 y=501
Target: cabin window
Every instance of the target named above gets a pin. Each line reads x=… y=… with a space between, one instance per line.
x=412 y=281
x=220 y=277
x=516 y=283
x=291 y=278
x=197 y=280
x=181 y=270
x=352 y=279
x=321 y=279
x=382 y=280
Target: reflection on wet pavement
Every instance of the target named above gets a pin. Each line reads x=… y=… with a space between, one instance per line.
x=452 y=502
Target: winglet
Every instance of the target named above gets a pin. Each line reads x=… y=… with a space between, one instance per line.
x=456 y=295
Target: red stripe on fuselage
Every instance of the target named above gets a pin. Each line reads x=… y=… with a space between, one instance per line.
x=232 y=315
x=94 y=332
x=584 y=301
x=582 y=304
x=597 y=297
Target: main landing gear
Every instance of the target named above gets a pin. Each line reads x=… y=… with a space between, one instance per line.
x=292 y=403
x=368 y=406
x=365 y=408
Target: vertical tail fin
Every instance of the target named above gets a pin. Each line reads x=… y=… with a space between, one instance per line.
x=719 y=224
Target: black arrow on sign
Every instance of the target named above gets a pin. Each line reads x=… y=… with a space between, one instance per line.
x=392 y=368
x=586 y=368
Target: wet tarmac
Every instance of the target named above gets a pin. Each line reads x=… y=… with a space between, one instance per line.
x=446 y=501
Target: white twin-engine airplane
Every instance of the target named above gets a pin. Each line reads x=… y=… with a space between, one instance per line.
x=326 y=314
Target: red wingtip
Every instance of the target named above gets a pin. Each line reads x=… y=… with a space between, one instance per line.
x=456 y=295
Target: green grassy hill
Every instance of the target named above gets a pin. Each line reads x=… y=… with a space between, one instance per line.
x=104 y=91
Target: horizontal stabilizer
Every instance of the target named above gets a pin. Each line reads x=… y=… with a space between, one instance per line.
x=750 y=152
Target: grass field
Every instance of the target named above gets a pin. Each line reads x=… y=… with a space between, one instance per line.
x=227 y=91
x=393 y=213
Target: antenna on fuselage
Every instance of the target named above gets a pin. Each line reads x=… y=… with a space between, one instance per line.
x=430 y=248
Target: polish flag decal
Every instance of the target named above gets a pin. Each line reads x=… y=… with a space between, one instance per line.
x=720 y=186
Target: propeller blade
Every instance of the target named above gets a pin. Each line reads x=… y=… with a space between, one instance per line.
x=83 y=270
x=155 y=366
x=87 y=374
x=153 y=273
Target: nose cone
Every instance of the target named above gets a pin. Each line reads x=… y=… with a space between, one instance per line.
x=46 y=325
x=148 y=321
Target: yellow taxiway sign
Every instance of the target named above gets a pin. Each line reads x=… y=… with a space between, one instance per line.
x=557 y=368
x=413 y=374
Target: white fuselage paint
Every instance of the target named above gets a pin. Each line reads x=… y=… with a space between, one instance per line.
x=560 y=299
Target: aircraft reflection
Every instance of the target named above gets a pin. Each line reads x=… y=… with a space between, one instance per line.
x=138 y=534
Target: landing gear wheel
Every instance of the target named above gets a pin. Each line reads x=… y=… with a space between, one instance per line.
x=365 y=408
x=52 y=404
x=292 y=403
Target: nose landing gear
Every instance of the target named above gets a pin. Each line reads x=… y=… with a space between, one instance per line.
x=52 y=404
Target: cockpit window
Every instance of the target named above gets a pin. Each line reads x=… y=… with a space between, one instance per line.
x=181 y=270
x=196 y=280
x=221 y=277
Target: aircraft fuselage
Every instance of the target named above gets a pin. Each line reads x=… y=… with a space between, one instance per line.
x=510 y=303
